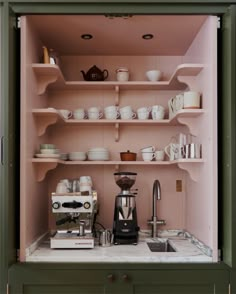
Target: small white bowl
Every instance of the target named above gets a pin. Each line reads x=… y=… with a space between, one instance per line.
x=48 y=151
x=153 y=75
x=81 y=156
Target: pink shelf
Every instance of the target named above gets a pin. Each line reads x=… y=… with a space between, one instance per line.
x=51 y=76
x=44 y=165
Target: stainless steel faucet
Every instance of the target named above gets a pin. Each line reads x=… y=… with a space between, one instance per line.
x=156 y=195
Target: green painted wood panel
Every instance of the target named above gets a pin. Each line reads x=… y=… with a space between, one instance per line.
x=227 y=146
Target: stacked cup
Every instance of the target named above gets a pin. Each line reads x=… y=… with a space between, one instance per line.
x=111 y=112
x=94 y=113
x=158 y=112
x=126 y=112
x=143 y=112
x=148 y=153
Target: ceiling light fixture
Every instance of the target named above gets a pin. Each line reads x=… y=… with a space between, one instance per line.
x=147 y=36
x=86 y=36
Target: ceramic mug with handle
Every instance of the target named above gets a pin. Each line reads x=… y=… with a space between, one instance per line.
x=172 y=151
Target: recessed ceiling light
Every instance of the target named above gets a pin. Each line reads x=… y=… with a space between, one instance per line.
x=86 y=36
x=147 y=36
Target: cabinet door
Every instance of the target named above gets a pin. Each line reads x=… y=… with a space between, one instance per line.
x=62 y=279
x=9 y=157
x=179 y=282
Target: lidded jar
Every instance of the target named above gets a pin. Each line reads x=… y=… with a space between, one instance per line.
x=122 y=74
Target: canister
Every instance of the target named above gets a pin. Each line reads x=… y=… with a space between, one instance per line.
x=122 y=74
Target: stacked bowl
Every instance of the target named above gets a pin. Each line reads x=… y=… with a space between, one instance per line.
x=98 y=154
x=79 y=155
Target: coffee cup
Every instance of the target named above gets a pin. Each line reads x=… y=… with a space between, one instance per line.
x=66 y=114
x=148 y=149
x=148 y=156
x=158 y=112
x=94 y=113
x=172 y=151
x=143 y=112
x=126 y=112
x=61 y=188
x=191 y=100
x=79 y=113
x=159 y=155
x=192 y=150
x=111 y=112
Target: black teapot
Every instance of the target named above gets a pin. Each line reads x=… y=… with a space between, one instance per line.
x=95 y=74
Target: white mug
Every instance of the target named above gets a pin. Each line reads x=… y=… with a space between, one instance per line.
x=65 y=113
x=148 y=149
x=79 y=113
x=111 y=112
x=61 y=188
x=191 y=100
x=94 y=113
x=158 y=112
x=172 y=151
x=143 y=112
x=160 y=155
x=148 y=156
x=179 y=102
x=126 y=112
x=85 y=180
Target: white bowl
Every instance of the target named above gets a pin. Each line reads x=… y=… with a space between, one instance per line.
x=99 y=149
x=153 y=75
x=77 y=156
x=48 y=151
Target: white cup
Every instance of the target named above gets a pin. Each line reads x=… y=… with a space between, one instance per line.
x=148 y=149
x=85 y=180
x=126 y=112
x=172 y=151
x=94 y=113
x=61 y=188
x=111 y=112
x=148 y=156
x=191 y=100
x=65 y=113
x=158 y=112
x=160 y=155
x=153 y=75
x=79 y=113
x=143 y=112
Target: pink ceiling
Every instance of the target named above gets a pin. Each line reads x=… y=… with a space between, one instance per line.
x=118 y=36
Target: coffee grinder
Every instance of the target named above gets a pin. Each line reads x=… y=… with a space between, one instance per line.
x=125 y=226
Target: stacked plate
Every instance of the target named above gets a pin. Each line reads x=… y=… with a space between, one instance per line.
x=98 y=154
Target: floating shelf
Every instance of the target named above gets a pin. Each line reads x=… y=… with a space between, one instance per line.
x=50 y=76
x=49 y=116
x=44 y=165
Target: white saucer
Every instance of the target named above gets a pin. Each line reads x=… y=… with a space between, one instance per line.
x=39 y=155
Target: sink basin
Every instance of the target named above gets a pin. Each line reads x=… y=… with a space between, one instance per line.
x=160 y=246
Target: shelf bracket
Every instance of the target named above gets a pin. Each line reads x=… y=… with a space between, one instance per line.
x=117 y=168
x=43 y=82
x=117 y=98
x=43 y=122
x=117 y=132
x=190 y=123
x=192 y=169
x=189 y=81
x=41 y=169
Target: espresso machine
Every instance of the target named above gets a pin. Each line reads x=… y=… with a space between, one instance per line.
x=125 y=226
x=75 y=217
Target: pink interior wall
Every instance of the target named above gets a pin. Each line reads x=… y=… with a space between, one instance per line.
x=33 y=204
x=194 y=209
x=201 y=200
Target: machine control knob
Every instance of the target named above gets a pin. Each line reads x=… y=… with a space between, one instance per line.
x=87 y=205
x=56 y=205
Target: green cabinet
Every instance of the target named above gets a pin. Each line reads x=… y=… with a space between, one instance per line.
x=28 y=280
x=58 y=278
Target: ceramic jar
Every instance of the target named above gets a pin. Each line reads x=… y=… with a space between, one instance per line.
x=122 y=74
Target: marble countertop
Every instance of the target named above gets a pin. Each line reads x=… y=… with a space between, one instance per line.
x=186 y=251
